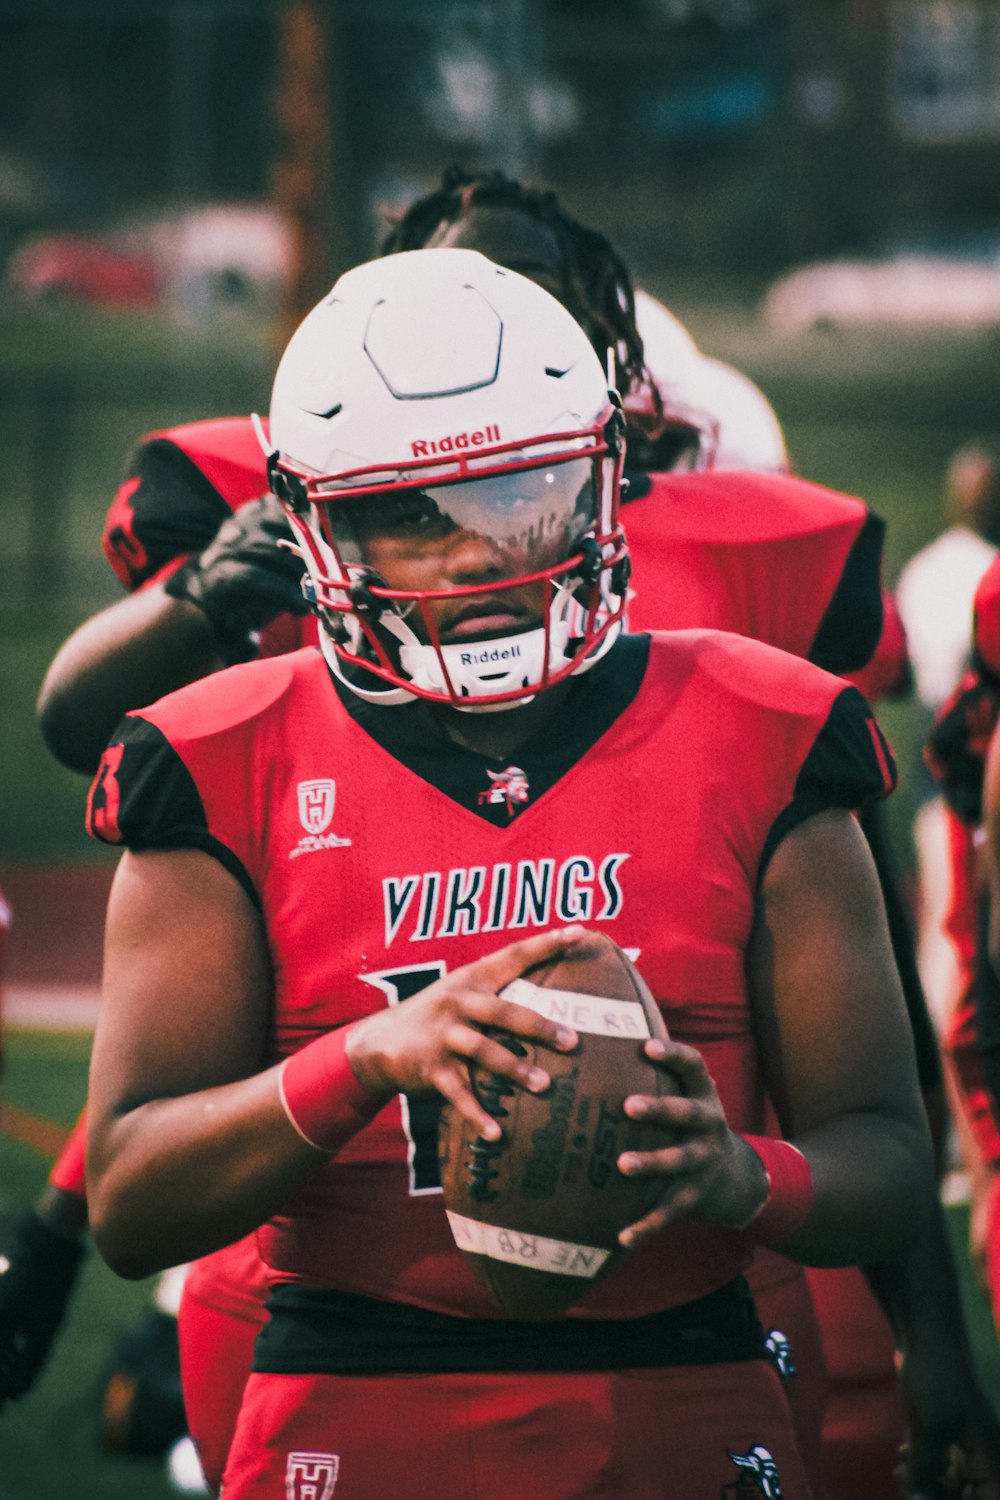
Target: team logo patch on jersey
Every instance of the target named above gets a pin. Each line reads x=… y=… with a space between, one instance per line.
x=759 y=1475
x=311 y=1476
x=317 y=800
x=508 y=787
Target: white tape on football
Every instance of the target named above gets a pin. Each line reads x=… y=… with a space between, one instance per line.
x=588 y=1013
x=534 y=1251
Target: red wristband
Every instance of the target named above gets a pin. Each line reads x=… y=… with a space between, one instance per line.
x=321 y=1095
x=789 y=1190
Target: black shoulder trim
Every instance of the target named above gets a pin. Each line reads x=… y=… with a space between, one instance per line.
x=849 y=630
x=849 y=764
x=176 y=509
x=144 y=797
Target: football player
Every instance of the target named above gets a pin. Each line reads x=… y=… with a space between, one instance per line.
x=455 y=497
x=727 y=542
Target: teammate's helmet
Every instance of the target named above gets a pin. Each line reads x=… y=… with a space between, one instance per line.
x=713 y=416
x=748 y=433
x=667 y=428
x=435 y=389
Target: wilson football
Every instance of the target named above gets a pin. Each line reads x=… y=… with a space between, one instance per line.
x=538 y=1212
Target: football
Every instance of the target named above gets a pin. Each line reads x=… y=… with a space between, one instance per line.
x=537 y=1213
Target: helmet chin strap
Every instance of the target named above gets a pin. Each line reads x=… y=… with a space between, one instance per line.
x=478 y=667
x=466 y=670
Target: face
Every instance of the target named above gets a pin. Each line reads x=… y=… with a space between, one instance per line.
x=472 y=536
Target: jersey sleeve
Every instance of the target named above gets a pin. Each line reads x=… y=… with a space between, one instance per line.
x=144 y=797
x=955 y=752
x=164 y=509
x=179 y=486
x=849 y=631
x=848 y=765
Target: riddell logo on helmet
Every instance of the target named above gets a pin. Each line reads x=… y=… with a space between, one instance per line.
x=490 y=653
x=424 y=448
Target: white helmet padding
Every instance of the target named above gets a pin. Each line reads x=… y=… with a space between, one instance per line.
x=433 y=392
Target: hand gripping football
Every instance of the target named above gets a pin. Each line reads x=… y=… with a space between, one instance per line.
x=538 y=1212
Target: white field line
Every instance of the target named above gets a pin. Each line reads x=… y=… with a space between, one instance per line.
x=50 y=1007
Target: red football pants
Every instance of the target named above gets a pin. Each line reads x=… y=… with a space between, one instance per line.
x=708 y=1432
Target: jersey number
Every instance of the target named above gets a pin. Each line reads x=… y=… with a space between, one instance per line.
x=420 y=1115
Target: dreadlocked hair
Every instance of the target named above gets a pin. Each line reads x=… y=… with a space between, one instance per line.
x=596 y=287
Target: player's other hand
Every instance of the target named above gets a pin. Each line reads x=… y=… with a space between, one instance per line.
x=428 y=1042
x=38 y=1270
x=244 y=578
x=706 y=1168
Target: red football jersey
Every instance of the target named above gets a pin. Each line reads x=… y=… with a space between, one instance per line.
x=769 y=556
x=180 y=486
x=379 y=860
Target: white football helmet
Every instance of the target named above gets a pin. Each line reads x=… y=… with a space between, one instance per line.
x=670 y=431
x=748 y=433
x=714 y=416
x=434 y=392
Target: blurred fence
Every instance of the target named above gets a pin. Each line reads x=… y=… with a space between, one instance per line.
x=65 y=434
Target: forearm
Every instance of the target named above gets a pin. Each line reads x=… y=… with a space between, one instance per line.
x=233 y=1155
x=176 y=1178
x=128 y=655
x=872 y=1190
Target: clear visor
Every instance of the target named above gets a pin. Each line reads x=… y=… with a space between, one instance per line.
x=532 y=518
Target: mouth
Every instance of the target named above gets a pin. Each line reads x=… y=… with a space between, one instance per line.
x=484 y=617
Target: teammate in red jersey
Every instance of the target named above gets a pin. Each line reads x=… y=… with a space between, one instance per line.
x=481 y=584
x=187 y=479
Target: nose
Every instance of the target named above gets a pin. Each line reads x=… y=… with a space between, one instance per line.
x=474 y=558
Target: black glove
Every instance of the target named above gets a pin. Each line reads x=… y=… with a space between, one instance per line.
x=243 y=578
x=38 y=1270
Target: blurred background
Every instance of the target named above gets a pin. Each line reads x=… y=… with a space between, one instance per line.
x=813 y=186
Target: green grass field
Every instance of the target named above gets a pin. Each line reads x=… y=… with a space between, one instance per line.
x=875 y=415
